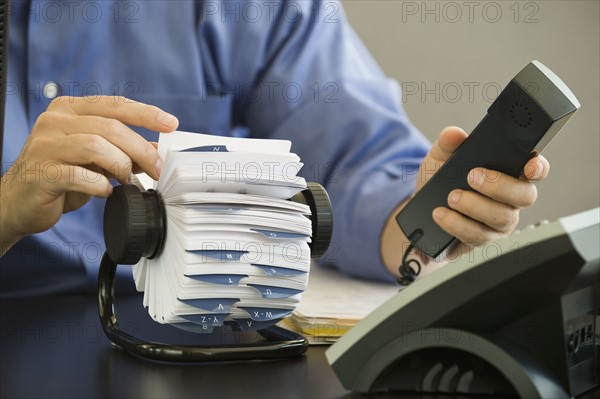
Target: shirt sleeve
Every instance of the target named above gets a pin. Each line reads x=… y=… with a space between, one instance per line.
x=319 y=87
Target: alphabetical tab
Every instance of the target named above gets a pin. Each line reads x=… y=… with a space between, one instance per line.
x=281 y=235
x=194 y=328
x=207 y=148
x=278 y=271
x=222 y=255
x=221 y=279
x=252 y=325
x=211 y=304
x=273 y=292
x=266 y=314
x=209 y=320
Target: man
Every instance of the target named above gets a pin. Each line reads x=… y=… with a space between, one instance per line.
x=286 y=70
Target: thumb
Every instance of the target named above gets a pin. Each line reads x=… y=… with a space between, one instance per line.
x=443 y=147
x=448 y=141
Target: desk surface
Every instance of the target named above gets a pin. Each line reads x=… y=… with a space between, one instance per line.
x=55 y=347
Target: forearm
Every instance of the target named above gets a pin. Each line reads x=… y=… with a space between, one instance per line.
x=358 y=143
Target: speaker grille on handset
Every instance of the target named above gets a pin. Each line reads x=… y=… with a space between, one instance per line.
x=521 y=115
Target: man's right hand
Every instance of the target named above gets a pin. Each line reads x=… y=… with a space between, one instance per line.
x=76 y=145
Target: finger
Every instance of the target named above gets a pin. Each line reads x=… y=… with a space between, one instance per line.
x=449 y=140
x=502 y=187
x=457 y=251
x=536 y=169
x=496 y=215
x=140 y=151
x=464 y=229
x=445 y=145
x=136 y=168
x=75 y=178
x=84 y=149
x=74 y=201
x=122 y=178
x=115 y=107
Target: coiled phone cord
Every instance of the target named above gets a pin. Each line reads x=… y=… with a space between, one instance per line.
x=408 y=274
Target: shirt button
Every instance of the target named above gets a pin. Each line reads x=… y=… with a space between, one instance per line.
x=50 y=90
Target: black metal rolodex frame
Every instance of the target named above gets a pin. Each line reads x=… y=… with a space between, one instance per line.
x=134 y=226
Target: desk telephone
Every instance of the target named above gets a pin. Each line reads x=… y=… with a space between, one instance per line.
x=519 y=316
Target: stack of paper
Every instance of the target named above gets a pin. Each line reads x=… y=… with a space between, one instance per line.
x=236 y=248
x=333 y=303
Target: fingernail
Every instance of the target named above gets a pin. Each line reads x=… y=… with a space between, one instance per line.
x=477 y=177
x=454 y=197
x=158 y=167
x=538 y=171
x=438 y=213
x=167 y=119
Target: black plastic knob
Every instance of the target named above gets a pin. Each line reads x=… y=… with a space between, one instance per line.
x=134 y=224
x=317 y=199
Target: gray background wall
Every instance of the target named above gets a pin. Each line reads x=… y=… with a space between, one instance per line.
x=482 y=44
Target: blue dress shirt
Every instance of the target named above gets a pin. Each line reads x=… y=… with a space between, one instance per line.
x=282 y=70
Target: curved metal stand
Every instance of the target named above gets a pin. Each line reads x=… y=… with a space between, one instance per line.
x=282 y=343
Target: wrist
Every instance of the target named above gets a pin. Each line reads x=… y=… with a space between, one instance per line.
x=9 y=235
x=394 y=247
x=393 y=243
